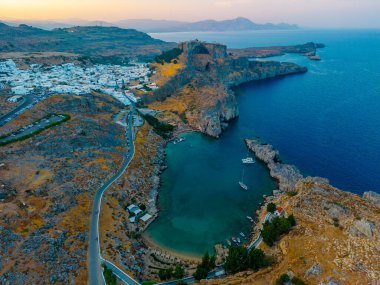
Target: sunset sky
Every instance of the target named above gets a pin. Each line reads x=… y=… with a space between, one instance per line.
x=312 y=13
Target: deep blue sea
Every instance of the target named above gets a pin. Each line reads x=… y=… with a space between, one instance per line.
x=326 y=122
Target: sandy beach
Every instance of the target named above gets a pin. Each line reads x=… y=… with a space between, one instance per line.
x=193 y=258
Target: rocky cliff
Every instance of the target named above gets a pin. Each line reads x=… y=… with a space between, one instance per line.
x=204 y=84
x=337 y=236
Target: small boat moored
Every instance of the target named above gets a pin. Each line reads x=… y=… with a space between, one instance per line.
x=242 y=185
x=248 y=160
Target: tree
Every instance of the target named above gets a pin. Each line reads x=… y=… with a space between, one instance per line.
x=200 y=273
x=283 y=279
x=292 y=220
x=237 y=259
x=297 y=281
x=272 y=230
x=257 y=259
x=181 y=282
x=179 y=272
x=165 y=274
x=271 y=207
x=207 y=264
x=142 y=207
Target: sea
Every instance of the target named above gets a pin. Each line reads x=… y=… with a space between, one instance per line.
x=326 y=122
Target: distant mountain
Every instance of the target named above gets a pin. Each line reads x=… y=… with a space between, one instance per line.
x=159 y=26
x=93 y=41
x=238 y=24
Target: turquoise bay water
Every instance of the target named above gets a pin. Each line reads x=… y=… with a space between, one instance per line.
x=327 y=122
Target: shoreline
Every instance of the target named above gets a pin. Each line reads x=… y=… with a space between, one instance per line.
x=153 y=245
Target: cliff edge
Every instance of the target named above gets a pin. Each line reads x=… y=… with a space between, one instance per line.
x=336 y=239
x=203 y=87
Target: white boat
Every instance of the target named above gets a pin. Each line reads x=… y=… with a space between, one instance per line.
x=243 y=235
x=250 y=218
x=248 y=160
x=238 y=240
x=242 y=185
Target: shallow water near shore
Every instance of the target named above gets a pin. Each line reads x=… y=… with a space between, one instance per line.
x=200 y=200
x=326 y=122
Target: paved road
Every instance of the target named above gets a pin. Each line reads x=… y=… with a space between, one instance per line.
x=257 y=241
x=120 y=273
x=191 y=279
x=12 y=114
x=188 y=280
x=95 y=276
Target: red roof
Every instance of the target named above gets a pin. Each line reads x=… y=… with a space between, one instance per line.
x=279 y=209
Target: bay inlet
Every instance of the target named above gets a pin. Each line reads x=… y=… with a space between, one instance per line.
x=326 y=122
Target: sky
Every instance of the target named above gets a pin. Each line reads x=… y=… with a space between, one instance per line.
x=308 y=13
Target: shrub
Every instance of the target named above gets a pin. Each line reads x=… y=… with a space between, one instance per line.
x=283 y=279
x=162 y=129
x=168 y=56
x=149 y=282
x=66 y=118
x=292 y=220
x=273 y=229
x=271 y=207
x=109 y=276
x=297 y=281
x=292 y=193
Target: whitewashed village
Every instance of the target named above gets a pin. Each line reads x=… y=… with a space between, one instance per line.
x=115 y=80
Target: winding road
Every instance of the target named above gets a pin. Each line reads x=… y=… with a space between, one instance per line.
x=95 y=276
x=26 y=101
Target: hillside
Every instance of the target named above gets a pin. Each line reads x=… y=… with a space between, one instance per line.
x=92 y=41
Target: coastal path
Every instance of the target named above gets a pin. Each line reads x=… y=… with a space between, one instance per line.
x=95 y=273
x=258 y=240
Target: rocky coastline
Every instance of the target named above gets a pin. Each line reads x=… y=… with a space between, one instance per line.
x=308 y=50
x=206 y=83
x=337 y=232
